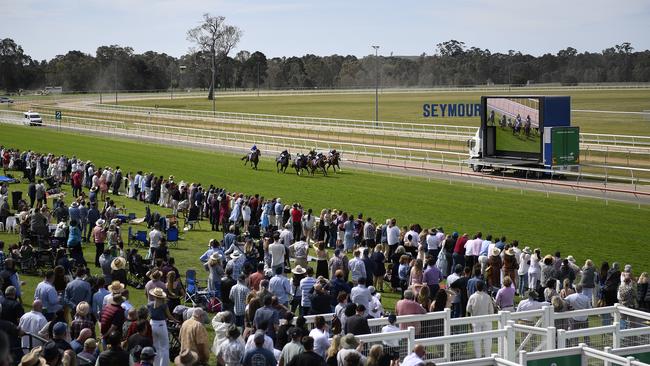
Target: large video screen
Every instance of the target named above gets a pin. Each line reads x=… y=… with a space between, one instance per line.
x=516 y=121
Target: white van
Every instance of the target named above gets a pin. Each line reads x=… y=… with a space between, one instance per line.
x=32 y=119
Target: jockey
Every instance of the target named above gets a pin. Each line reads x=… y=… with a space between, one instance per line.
x=254 y=148
x=333 y=152
x=284 y=153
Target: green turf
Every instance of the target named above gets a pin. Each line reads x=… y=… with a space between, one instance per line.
x=585 y=229
x=407 y=107
x=507 y=141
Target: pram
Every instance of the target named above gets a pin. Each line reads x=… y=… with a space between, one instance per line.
x=137 y=276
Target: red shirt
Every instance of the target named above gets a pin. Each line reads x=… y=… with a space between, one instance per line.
x=460 y=245
x=255 y=279
x=296 y=215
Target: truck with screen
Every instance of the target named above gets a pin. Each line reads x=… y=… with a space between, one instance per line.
x=525 y=131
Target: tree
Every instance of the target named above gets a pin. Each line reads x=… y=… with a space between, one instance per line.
x=216 y=38
x=12 y=64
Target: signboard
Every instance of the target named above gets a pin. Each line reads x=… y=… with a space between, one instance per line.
x=571 y=360
x=566 y=146
x=57 y=115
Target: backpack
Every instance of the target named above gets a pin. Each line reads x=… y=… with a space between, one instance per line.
x=336 y=325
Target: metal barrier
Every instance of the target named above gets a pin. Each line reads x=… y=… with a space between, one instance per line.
x=470 y=346
x=402 y=341
x=580 y=355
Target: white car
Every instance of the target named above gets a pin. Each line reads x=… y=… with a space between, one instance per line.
x=32 y=119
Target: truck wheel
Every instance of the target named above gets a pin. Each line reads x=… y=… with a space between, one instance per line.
x=477 y=168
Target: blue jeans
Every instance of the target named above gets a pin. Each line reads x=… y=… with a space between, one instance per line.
x=455 y=310
x=457 y=259
x=523 y=283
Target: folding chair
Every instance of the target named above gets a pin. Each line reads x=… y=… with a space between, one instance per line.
x=141 y=239
x=172 y=236
x=192 y=218
x=131 y=216
x=131 y=237
x=193 y=293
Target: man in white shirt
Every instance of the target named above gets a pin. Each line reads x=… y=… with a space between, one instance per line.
x=433 y=244
x=579 y=301
x=278 y=252
x=416 y=358
x=392 y=236
x=32 y=322
x=154 y=239
x=531 y=303
x=360 y=294
x=286 y=236
x=320 y=335
x=391 y=327
x=480 y=303
x=299 y=251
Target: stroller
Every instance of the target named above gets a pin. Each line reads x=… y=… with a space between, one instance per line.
x=137 y=276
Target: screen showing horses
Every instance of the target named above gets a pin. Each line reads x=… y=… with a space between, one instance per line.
x=516 y=121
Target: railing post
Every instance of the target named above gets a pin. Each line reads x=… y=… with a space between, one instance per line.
x=561 y=338
x=509 y=351
x=447 y=332
x=411 y=341
x=548 y=316
x=608 y=350
x=523 y=358
x=550 y=338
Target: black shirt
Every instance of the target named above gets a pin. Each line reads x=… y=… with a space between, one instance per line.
x=357 y=325
x=307 y=358
x=137 y=339
x=62 y=344
x=11 y=310
x=113 y=358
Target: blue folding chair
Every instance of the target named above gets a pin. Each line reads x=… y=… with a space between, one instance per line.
x=193 y=293
x=172 y=236
x=141 y=238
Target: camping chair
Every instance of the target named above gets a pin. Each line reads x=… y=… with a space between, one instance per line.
x=137 y=276
x=141 y=238
x=193 y=293
x=162 y=221
x=131 y=216
x=192 y=218
x=172 y=236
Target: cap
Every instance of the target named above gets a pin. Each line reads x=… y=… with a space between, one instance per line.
x=59 y=328
x=148 y=353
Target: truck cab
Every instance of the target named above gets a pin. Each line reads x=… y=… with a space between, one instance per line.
x=32 y=119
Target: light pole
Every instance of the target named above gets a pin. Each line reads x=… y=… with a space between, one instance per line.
x=115 y=79
x=171 y=83
x=258 y=78
x=181 y=68
x=376 y=85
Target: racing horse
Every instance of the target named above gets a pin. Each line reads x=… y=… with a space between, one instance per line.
x=300 y=163
x=317 y=163
x=282 y=162
x=333 y=160
x=253 y=157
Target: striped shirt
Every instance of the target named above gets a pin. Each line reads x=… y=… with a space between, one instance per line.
x=238 y=295
x=306 y=285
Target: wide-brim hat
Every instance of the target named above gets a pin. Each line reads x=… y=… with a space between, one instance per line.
x=100 y=222
x=510 y=251
x=75 y=204
x=118 y=263
x=154 y=274
x=186 y=358
x=33 y=358
x=158 y=293
x=235 y=255
x=83 y=308
x=495 y=252
x=298 y=270
x=214 y=258
x=116 y=287
x=348 y=341
x=548 y=256
x=527 y=250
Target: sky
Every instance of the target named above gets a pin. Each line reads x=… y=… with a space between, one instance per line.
x=46 y=28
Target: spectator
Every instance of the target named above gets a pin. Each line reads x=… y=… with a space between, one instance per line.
x=77 y=343
x=259 y=356
x=320 y=336
x=231 y=350
x=279 y=286
x=159 y=312
x=147 y=356
x=59 y=335
x=12 y=310
x=358 y=323
x=48 y=296
x=78 y=290
x=82 y=321
x=505 y=298
x=432 y=277
x=389 y=328
x=194 y=337
x=238 y=295
x=305 y=289
x=579 y=301
x=308 y=357
x=380 y=268
x=349 y=345
x=140 y=338
x=32 y=322
x=293 y=348
x=588 y=279
x=186 y=358
x=408 y=306
x=321 y=301
x=480 y=303
x=267 y=316
x=90 y=350
x=417 y=357
x=357 y=267
x=530 y=303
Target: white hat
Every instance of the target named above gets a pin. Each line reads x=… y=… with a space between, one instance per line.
x=100 y=222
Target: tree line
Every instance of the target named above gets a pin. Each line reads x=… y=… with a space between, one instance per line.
x=451 y=63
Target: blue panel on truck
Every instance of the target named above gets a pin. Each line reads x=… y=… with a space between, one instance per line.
x=557 y=111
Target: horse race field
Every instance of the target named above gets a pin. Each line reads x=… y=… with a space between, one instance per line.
x=591 y=108
x=584 y=228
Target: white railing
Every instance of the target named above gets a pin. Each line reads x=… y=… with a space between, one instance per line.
x=583 y=354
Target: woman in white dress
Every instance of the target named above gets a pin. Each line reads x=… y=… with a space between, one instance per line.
x=535 y=270
x=131 y=183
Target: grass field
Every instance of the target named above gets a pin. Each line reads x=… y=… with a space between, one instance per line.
x=407 y=107
x=585 y=229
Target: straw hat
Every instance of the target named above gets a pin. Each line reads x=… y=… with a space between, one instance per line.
x=235 y=255
x=526 y=250
x=495 y=252
x=298 y=270
x=214 y=258
x=186 y=358
x=158 y=293
x=118 y=263
x=348 y=341
x=75 y=204
x=33 y=358
x=116 y=287
x=100 y=222
x=510 y=251
x=154 y=274
x=82 y=308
